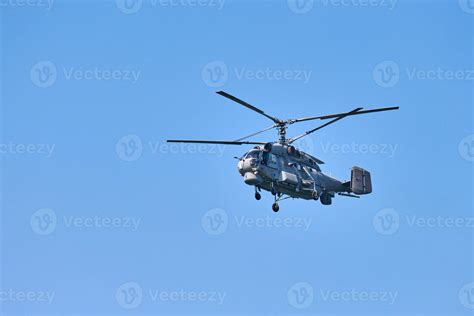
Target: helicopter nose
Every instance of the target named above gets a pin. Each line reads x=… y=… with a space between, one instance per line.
x=246 y=169
x=252 y=179
x=246 y=165
x=240 y=167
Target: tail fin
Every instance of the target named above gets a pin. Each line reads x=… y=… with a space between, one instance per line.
x=361 y=183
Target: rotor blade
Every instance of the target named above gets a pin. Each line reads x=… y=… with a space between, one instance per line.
x=253 y=108
x=266 y=129
x=325 y=117
x=328 y=123
x=223 y=142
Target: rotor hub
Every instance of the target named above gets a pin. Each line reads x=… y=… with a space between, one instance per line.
x=282 y=126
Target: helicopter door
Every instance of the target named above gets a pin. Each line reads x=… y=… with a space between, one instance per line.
x=272 y=161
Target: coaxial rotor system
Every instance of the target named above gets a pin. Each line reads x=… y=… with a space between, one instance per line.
x=282 y=125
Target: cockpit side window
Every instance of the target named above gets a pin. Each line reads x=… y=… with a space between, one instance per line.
x=253 y=154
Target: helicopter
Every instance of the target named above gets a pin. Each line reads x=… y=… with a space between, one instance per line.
x=280 y=168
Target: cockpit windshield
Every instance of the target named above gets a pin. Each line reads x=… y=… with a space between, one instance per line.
x=254 y=153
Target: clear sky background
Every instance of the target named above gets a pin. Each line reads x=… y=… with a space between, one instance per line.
x=101 y=216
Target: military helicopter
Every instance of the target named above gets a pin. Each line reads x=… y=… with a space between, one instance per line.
x=286 y=172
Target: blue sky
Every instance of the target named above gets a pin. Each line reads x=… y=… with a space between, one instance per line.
x=101 y=216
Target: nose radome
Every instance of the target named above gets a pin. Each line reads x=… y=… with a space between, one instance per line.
x=240 y=167
x=252 y=179
x=244 y=166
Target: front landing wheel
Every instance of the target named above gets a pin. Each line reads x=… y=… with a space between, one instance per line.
x=258 y=196
x=275 y=207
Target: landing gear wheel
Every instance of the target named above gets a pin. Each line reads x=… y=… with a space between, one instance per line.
x=275 y=207
x=326 y=199
x=258 y=196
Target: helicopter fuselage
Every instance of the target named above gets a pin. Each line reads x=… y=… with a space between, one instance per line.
x=283 y=169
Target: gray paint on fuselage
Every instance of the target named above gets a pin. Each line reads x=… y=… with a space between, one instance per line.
x=304 y=166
